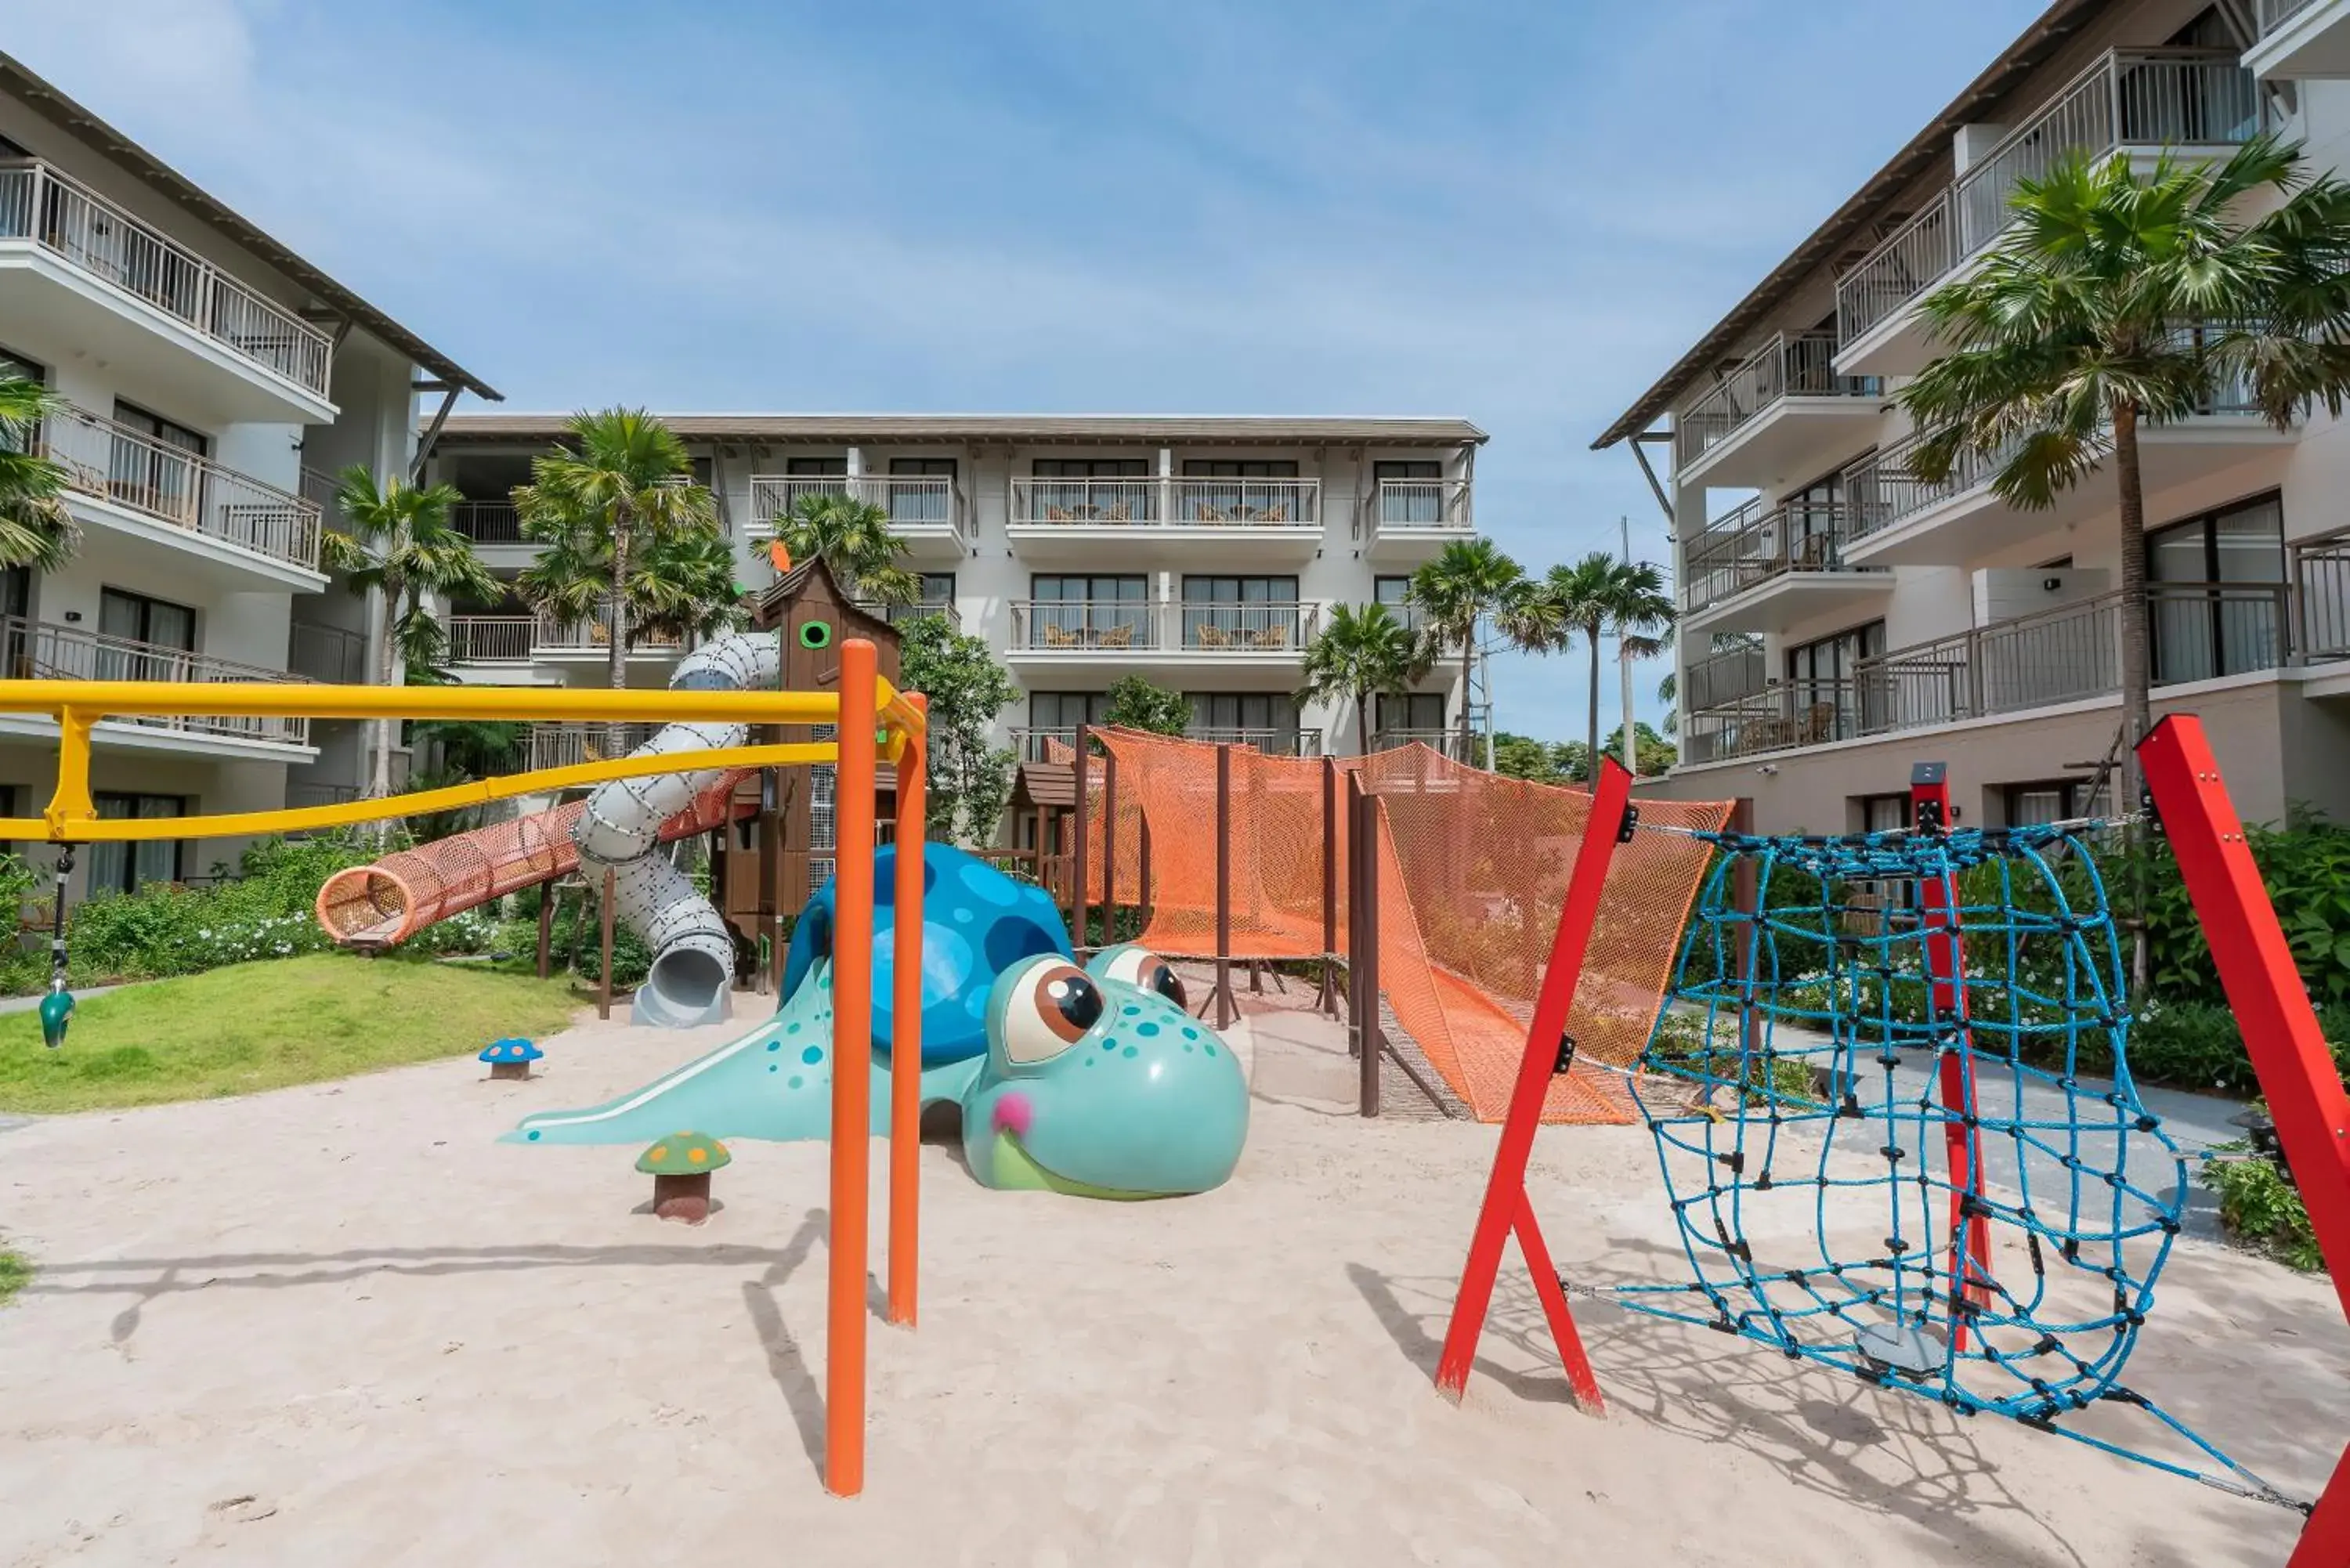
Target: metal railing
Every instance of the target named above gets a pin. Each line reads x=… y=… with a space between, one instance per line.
x=567 y=745
x=298 y=795
x=1246 y=502
x=2129 y=98
x=1188 y=503
x=2274 y=13
x=1421 y=504
x=551 y=634
x=35 y=650
x=1448 y=742
x=2069 y=654
x=2321 y=578
x=171 y=485
x=1790 y=365
x=926 y=502
x=65 y=218
x=491 y=639
x=1723 y=677
x=1123 y=625
x=1033 y=741
x=487 y=522
x=1754 y=544
x=1884 y=487
x=328 y=653
x=899 y=615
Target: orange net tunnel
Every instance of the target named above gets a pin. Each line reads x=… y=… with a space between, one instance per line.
x=1471 y=875
x=401 y=894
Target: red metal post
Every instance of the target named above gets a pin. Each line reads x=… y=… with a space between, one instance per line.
x=1506 y=1209
x=1970 y=1261
x=2281 y=1032
x=1327 y=1002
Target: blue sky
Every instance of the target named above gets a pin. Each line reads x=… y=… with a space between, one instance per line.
x=1518 y=213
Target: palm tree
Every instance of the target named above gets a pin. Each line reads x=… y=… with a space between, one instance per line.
x=627 y=488
x=1597 y=595
x=1468 y=580
x=1640 y=613
x=1364 y=652
x=2119 y=300
x=852 y=538
x=683 y=587
x=35 y=528
x=400 y=546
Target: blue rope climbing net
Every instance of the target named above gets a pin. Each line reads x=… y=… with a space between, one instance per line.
x=1821 y=1049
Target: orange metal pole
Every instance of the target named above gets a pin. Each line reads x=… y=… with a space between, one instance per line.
x=905 y=1039
x=852 y=1072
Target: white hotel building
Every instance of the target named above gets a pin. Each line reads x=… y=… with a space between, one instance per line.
x=1202 y=553
x=214 y=379
x=1844 y=619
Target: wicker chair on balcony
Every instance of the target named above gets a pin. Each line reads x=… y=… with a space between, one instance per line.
x=1117 y=637
x=1274 y=514
x=1203 y=512
x=1059 y=636
x=1059 y=515
x=1271 y=637
x=1120 y=511
x=1207 y=635
x=1819 y=724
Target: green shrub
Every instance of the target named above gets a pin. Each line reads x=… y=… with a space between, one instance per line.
x=631 y=960
x=2260 y=1208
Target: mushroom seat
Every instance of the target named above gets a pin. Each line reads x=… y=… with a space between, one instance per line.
x=510 y=1057
x=679 y=1165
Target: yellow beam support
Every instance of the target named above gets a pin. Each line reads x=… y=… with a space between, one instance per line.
x=264 y=700
x=61 y=826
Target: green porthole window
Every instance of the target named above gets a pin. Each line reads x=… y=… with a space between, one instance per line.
x=816 y=634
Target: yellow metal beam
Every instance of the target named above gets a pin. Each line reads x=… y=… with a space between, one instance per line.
x=264 y=700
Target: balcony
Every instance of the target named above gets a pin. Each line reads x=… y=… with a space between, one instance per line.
x=1120 y=637
x=527 y=640
x=558 y=745
x=1779 y=418
x=234 y=531
x=35 y=650
x=2139 y=101
x=328 y=653
x=489 y=522
x=1455 y=742
x=2321 y=578
x=926 y=511
x=1723 y=676
x=1410 y=520
x=920 y=609
x=1042 y=743
x=2070 y=654
x=1246 y=522
x=491 y=639
x=1762 y=568
x=81 y=278
x=2301 y=40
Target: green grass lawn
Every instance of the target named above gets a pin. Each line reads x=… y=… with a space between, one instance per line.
x=15 y=1269
x=266 y=1025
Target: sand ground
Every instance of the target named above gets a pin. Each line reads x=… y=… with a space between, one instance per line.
x=340 y=1325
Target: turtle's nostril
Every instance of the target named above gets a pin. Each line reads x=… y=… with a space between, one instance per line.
x=1014 y=1114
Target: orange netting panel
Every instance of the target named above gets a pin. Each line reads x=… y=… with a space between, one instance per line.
x=401 y=894
x=1472 y=873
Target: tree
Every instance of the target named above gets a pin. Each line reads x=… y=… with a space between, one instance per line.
x=1137 y=704
x=36 y=530
x=627 y=489
x=682 y=586
x=1468 y=580
x=1362 y=653
x=402 y=548
x=1655 y=753
x=969 y=781
x=853 y=538
x=1523 y=757
x=1597 y=595
x=2119 y=300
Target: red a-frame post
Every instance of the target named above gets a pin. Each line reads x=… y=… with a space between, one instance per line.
x=1969 y=1264
x=1506 y=1208
x=2281 y=1032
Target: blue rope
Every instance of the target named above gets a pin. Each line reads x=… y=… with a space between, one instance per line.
x=1796 y=1021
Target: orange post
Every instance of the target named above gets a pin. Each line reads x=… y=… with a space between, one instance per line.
x=852 y=1072
x=905 y=1039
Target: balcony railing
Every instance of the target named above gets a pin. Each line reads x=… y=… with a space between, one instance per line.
x=328 y=653
x=171 y=485
x=1752 y=545
x=1450 y=742
x=298 y=795
x=35 y=650
x=899 y=615
x=1722 y=677
x=2070 y=654
x=65 y=218
x=927 y=501
x=1125 y=626
x=487 y=522
x=2321 y=575
x=1036 y=744
x=491 y=639
x=1884 y=487
x=1189 y=503
x=1790 y=365
x=551 y=635
x=2131 y=98
x=2275 y=13
x=567 y=745
x=1421 y=504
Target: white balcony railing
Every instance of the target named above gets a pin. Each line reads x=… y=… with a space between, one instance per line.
x=1116 y=626
x=1452 y=742
x=923 y=501
x=1790 y=365
x=67 y=219
x=1405 y=504
x=2128 y=99
x=1044 y=744
x=35 y=650
x=174 y=485
x=491 y=639
x=487 y=522
x=567 y=745
x=552 y=635
x=899 y=615
x=1188 y=503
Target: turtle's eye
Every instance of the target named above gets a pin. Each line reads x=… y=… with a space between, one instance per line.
x=1051 y=1012
x=1145 y=970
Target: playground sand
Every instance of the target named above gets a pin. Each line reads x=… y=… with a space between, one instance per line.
x=339 y=1326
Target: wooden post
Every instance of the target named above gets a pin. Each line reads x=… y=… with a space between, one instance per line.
x=1109 y=847
x=852 y=1072
x=547 y=896
x=1366 y=891
x=1354 y=791
x=1742 y=894
x=604 y=919
x=1327 y=1004
x=1080 y=896
x=1227 y=1009
x=906 y=1035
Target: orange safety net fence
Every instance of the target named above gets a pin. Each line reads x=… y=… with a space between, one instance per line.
x=1472 y=873
x=401 y=894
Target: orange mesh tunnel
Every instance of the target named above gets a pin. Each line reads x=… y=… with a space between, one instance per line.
x=400 y=895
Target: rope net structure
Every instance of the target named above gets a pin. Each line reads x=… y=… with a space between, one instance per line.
x=401 y=894
x=1891 y=1097
x=1472 y=868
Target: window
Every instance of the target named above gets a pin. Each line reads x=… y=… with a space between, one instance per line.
x=917 y=502
x=1420 y=716
x=1411 y=490
x=937 y=589
x=1266 y=719
x=1240 y=468
x=159 y=475
x=146 y=639
x=1056 y=715
x=1241 y=612
x=1884 y=813
x=127 y=867
x=1091 y=468
x=1825 y=693
x=1079 y=611
x=2201 y=630
x=2029 y=804
x=815 y=467
x=16 y=365
x=1865 y=900
x=1091 y=489
x=1813 y=517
